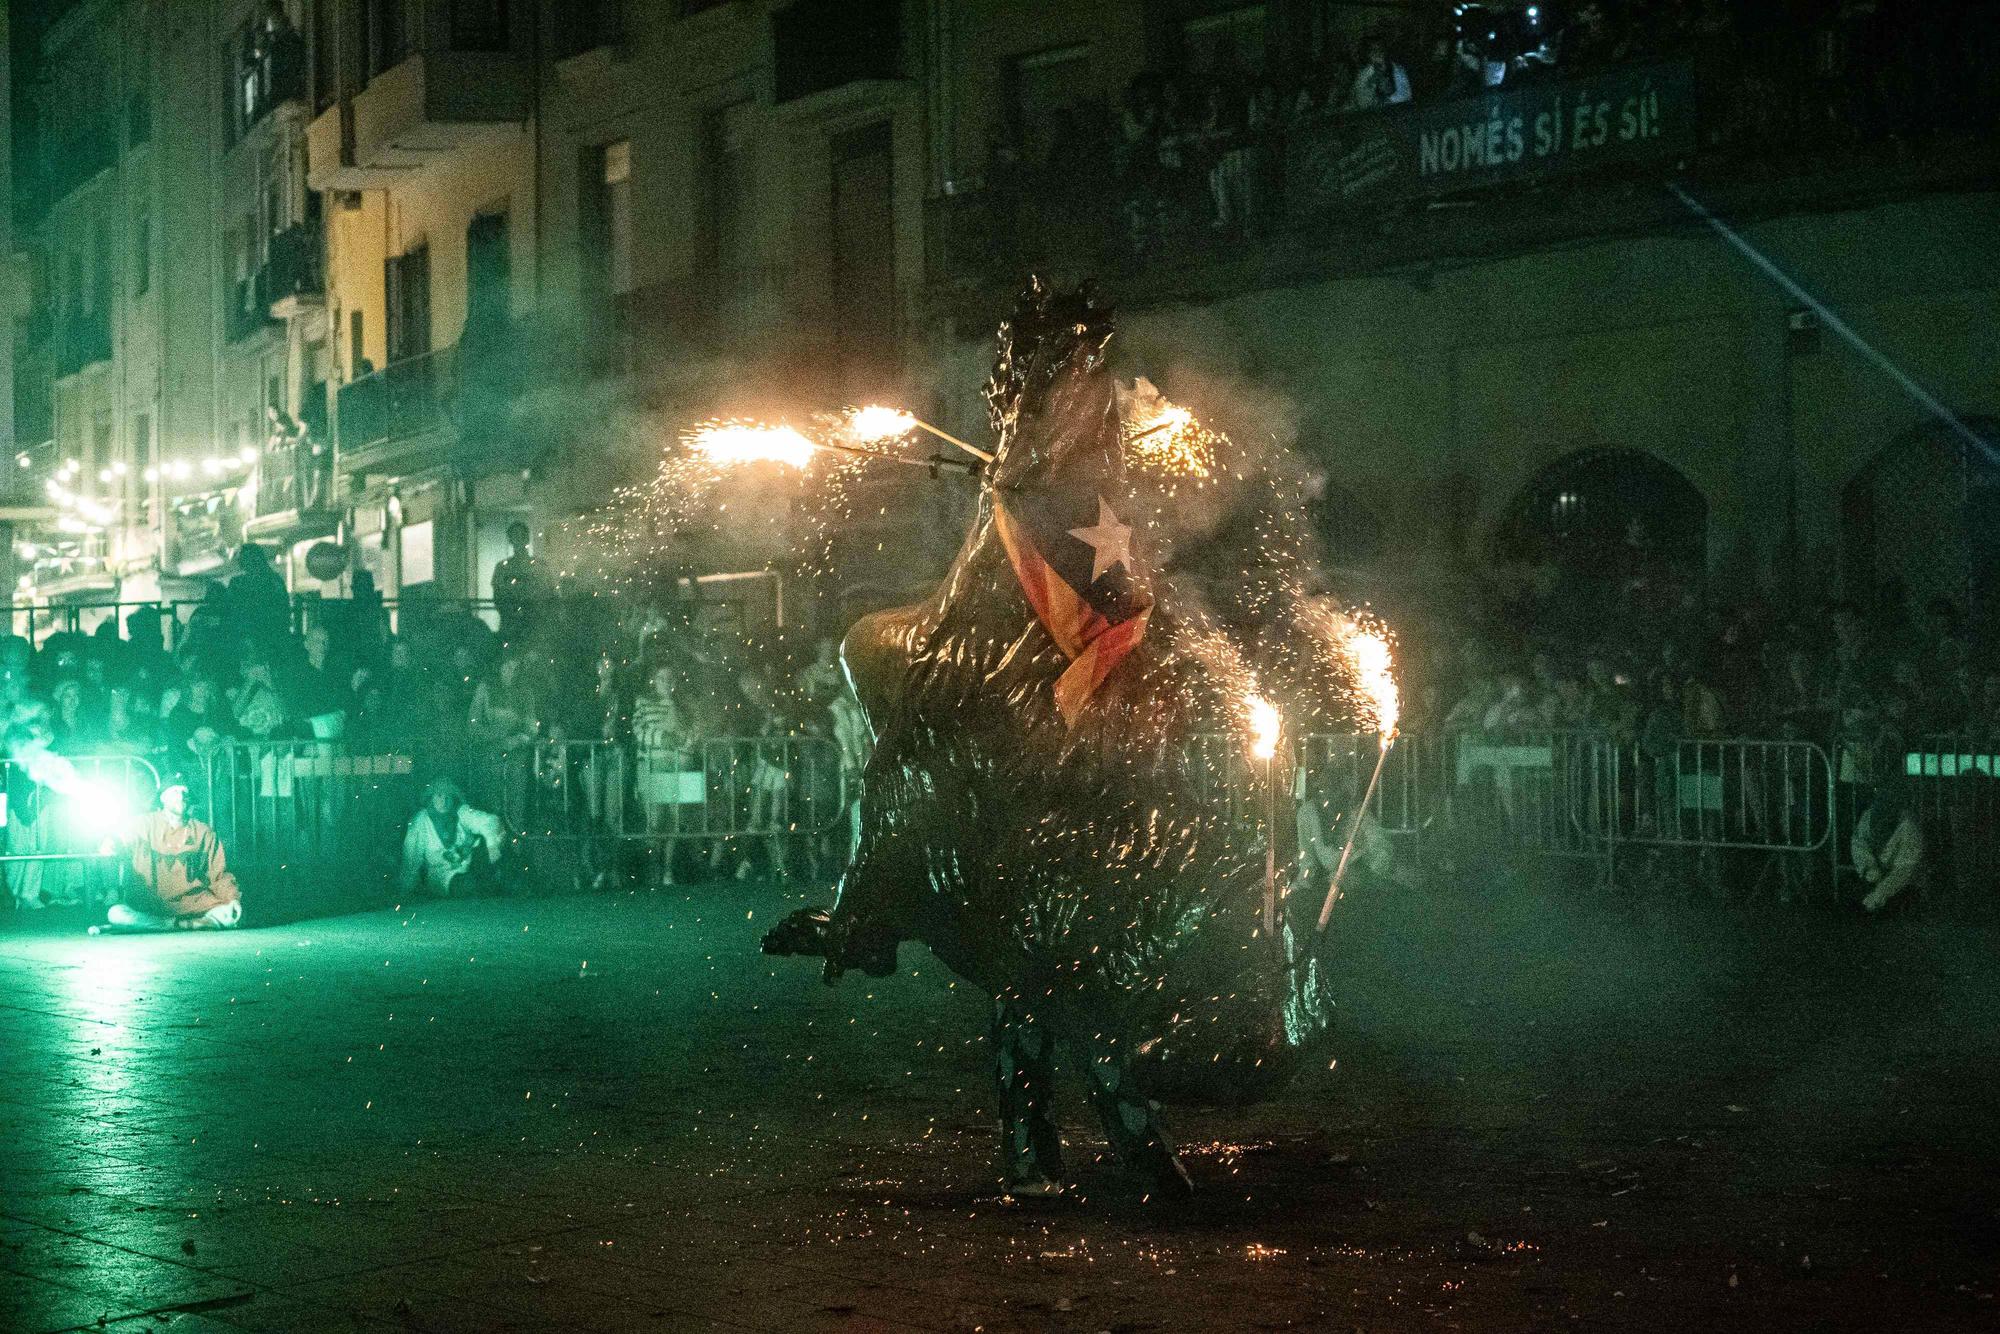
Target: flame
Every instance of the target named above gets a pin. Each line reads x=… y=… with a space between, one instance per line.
x=1264 y=724
x=1165 y=437
x=876 y=423
x=1374 y=670
x=724 y=442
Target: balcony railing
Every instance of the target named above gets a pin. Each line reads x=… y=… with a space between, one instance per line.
x=294 y=478
x=295 y=268
x=249 y=306
x=1293 y=193
x=401 y=401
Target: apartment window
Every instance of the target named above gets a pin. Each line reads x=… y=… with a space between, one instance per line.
x=617 y=183
x=325 y=71
x=728 y=241
x=142 y=443
x=822 y=44
x=275 y=212
x=864 y=257
x=357 y=346
x=479 y=25
x=408 y=283
x=388 y=34
x=414 y=545
x=487 y=268
x=1040 y=88
x=243 y=264
x=142 y=253
x=100 y=451
x=101 y=266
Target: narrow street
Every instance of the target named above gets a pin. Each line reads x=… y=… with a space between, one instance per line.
x=612 y=1113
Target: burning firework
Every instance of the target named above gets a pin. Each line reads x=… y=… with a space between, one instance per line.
x=727 y=442
x=1374 y=671
x=876 y=424
x=1264 y=724
x=1164 y=437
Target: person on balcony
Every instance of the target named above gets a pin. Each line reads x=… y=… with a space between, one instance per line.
x=1381 y=82
x=180 y=874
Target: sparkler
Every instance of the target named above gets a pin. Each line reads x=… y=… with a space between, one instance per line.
x=1373 y=667
x=876 y=423
x=1170 y=440
x=728 y=441
x=1265 y=725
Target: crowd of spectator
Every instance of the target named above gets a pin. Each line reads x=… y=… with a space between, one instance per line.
x=1652 y=669
x=472 y=700
x=1197 y=150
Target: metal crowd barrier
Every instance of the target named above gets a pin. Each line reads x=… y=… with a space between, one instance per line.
x=1583 y=795
x=280 y=805
x=1953 y=782
x=1552 y=794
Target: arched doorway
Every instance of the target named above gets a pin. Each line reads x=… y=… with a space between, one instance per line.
x=1599 y=510
x=1603 y=535
x=1921 y=520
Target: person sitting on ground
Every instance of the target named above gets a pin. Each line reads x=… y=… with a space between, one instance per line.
x=452 y=847
x=181 y=877
x=1888 y=846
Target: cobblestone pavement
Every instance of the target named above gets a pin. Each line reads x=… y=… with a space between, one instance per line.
x=611 y=1113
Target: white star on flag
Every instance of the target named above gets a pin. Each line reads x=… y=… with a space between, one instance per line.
x=1110 y=542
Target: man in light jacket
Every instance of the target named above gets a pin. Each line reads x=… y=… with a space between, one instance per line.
x=451 y=846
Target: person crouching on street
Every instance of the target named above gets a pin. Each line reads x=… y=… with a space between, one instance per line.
x=181 y=878
x=450 y=846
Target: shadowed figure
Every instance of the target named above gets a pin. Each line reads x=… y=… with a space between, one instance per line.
x=1037 y=811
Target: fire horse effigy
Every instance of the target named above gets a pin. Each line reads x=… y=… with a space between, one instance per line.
x=1038 y=811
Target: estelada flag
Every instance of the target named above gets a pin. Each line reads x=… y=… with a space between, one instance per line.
x=1073 y=557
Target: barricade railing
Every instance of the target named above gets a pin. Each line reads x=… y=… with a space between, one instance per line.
x=65 y=822
x=1583 y=795
x=722 y=787
x=1953 y=782
x=1550 y=794
x=282 y=804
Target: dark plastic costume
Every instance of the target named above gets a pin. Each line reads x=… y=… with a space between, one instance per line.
x=1082 y=870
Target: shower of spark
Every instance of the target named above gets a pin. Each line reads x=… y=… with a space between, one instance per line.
x=1169 y=440
x=1374 y=670
x=875 y=424
x=1264 y=725
x=727 y=442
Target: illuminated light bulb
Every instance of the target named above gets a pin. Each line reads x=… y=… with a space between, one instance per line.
x=152 y=474
x=104 y=475
x=248 y=454
x=119 y=468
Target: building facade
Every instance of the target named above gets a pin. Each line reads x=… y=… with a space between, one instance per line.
x=395 y=274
